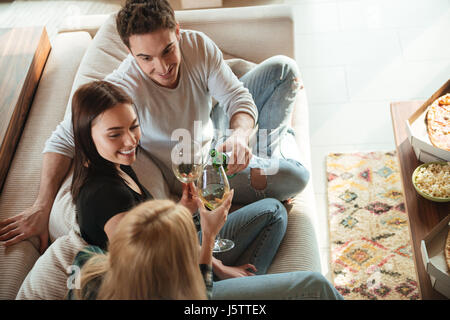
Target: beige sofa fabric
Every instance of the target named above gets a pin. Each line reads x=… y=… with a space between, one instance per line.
x=22 y=182
x=249 y=33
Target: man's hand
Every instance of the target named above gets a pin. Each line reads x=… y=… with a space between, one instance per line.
x=242 y=125
x=226 y=272
x=241 y=154
x=31 y=222
x=34 y=220
x=188 y=197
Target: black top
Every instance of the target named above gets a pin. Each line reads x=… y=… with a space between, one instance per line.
x=101 y=198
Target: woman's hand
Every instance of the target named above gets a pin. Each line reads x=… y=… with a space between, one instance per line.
x=188 y=197
x=212 y=221
x=226 y=272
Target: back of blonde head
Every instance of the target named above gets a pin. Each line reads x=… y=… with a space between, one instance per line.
x=152 y=255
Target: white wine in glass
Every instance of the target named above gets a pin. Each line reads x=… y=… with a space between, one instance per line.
x=187 y=161
x=212 y=194
x=213 y=186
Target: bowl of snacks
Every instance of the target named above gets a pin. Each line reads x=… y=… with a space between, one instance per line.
x=432 y=181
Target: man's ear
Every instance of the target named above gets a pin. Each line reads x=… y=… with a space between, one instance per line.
x=177 y=31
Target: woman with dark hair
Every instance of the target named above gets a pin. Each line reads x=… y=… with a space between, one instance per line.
x=106 y=135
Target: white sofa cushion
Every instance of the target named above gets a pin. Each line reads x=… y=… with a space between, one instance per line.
x=50 y=274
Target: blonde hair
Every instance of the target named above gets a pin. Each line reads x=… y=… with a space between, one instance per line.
x=153 y=254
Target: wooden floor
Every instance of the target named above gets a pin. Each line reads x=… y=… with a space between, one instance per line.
x=50 y=13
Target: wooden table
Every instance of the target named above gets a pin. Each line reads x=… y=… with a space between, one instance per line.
x=423 y=214
x=23 y=54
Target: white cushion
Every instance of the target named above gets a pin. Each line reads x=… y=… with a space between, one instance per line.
x=50 y=274
x=62 y=216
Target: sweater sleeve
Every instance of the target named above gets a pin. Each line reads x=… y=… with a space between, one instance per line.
x=61 y=140
x=224 y=86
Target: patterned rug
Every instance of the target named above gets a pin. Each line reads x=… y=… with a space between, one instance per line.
x=371 y=253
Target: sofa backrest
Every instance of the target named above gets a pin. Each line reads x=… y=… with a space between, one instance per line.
x=250 y=33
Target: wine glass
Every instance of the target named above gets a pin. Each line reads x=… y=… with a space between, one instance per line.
x=187 y=160
x=212 y=187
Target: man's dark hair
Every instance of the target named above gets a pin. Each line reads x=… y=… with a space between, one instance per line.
x=144 y=16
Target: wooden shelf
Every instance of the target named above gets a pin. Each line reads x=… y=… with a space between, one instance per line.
x=23 y=54
x=423 y=214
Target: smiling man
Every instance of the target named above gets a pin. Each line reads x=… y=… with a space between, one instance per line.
x=171 y=74
x=158 y=55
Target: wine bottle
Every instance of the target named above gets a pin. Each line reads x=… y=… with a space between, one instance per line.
x=220 y=159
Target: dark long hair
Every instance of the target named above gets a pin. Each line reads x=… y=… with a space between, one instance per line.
x=89 y=101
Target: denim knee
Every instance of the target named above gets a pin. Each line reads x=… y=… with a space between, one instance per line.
x=319 y=285
x=277 y=210
x=285 y=69
x=292 y=177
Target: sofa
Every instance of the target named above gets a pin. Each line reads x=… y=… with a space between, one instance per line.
x=91 y=49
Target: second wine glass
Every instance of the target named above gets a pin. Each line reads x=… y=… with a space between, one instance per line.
x=212 y=187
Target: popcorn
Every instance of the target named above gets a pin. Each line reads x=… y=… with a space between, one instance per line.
x=434 y=180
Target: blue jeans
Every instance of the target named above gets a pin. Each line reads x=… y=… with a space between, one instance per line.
x=273 y=84
x=257 y=231
x=299 y=285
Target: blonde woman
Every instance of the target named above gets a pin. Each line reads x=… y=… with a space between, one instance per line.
x=173 y=267
x=166 y=269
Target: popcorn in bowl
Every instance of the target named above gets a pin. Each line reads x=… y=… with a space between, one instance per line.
x=433 y=179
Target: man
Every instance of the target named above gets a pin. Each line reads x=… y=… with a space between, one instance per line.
x=171 y=74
